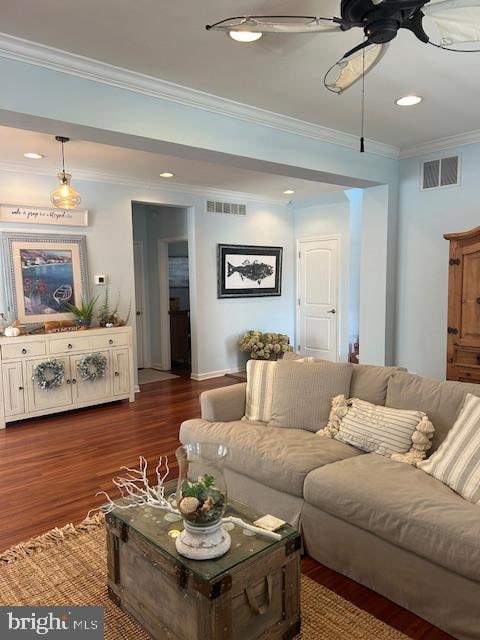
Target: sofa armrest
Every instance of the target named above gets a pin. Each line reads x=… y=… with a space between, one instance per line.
x=224 y=404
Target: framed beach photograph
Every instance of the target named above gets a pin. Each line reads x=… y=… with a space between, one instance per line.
x=249 y=271
x=42 y=273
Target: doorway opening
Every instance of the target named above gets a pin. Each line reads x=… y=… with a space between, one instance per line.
x=162 y=290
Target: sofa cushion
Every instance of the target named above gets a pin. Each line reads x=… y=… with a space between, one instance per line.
x=303 y=392
x=402 y=505
x=440 y=400
x=370 y=382
x=279 y=458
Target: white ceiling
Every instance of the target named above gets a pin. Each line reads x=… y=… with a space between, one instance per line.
x=281 y=73
x=90 y=160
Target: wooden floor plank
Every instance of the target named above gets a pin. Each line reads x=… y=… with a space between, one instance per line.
x=53 y=466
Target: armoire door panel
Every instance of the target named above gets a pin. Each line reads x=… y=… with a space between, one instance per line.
x=463 y=326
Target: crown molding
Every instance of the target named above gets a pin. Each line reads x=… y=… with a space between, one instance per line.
x=470 y=137
x=55 y=59
x=158 y=185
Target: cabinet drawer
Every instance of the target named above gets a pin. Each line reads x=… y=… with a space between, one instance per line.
x=468 y=375
x=469 y=358
x=110 y=340
x=22 y=349
x=68 y=345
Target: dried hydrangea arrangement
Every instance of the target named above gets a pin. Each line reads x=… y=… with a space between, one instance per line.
x=265 y=346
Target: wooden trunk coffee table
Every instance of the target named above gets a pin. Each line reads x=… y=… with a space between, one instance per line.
x=252 y=592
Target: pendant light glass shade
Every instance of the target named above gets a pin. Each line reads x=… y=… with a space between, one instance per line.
x=65 y=197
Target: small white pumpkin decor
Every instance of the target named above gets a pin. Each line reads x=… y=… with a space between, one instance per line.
x=12 y=331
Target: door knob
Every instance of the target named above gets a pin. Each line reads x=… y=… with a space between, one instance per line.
x=139 y=313
x=332 y=311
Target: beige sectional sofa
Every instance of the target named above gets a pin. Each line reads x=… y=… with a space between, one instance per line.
x=385 y=524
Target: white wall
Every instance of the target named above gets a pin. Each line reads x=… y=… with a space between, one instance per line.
x=326 y=218
x=218 y=323
x=424 y=216
x=223 y=321
x=373 y=277
x=355 y=197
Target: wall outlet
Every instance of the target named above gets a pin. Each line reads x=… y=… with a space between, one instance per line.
x=101 y=279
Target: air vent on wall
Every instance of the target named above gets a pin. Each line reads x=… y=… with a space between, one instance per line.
x=443 y=172
x=232 y=208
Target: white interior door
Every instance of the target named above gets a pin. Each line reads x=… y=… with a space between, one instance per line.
x=317 y=287
x=139 y=302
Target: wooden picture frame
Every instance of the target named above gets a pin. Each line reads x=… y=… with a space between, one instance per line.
x=245 y=271
x=41 y=273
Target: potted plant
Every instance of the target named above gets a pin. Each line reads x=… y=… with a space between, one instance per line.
x=265 y=346
x=83 y=313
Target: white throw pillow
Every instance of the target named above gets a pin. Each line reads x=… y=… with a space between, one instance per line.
x=403 y=435
x=456 y=462
x=260 y=377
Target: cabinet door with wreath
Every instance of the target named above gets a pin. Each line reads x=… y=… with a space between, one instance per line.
x=48 y=383
x=91 y=377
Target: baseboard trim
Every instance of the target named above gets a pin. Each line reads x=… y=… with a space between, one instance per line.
x=212 y=374
x=157 y=366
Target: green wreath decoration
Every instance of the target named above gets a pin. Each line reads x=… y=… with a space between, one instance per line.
x=49 y=375
x=92 y=367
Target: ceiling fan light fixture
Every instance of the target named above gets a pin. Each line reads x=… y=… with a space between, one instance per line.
x=65 y=196
x=408 y=101
x=245 y=36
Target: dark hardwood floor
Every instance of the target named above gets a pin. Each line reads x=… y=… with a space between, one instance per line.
x=52 y=467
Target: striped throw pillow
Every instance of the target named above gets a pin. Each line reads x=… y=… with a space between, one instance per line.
x=456 y=462
x=260 y=377
x=403 y=435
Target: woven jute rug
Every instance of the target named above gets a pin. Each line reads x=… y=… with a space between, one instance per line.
x=67 y=567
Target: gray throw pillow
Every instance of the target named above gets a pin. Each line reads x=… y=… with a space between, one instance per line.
x=303 y=392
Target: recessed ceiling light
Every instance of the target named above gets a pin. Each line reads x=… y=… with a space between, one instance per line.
x=167 y=174
x=245 y=36
x=408 y=101
x=33 y=156
x=289 y=192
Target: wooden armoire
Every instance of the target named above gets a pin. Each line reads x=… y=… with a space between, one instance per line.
x=463 y=342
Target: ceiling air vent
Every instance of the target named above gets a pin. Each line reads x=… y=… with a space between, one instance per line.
x=232 y=208
x=443 y=172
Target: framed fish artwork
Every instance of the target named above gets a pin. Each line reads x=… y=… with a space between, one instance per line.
x=249 y=272
x=42 y=273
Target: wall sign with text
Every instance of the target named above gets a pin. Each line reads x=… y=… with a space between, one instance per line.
x=43 y=215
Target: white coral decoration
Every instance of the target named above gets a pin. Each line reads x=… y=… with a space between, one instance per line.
x=136 y=490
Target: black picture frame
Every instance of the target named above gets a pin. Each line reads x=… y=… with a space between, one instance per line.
x=239 y=266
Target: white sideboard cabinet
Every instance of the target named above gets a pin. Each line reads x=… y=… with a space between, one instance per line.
x=20 y=395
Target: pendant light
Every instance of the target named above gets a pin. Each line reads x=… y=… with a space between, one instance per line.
x=64 y=197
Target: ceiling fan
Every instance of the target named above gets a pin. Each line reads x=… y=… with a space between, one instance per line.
x=457 y=22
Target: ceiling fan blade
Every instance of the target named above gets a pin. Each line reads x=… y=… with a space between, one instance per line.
x=280 y=24
x=457 y=21
x=350 y=68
